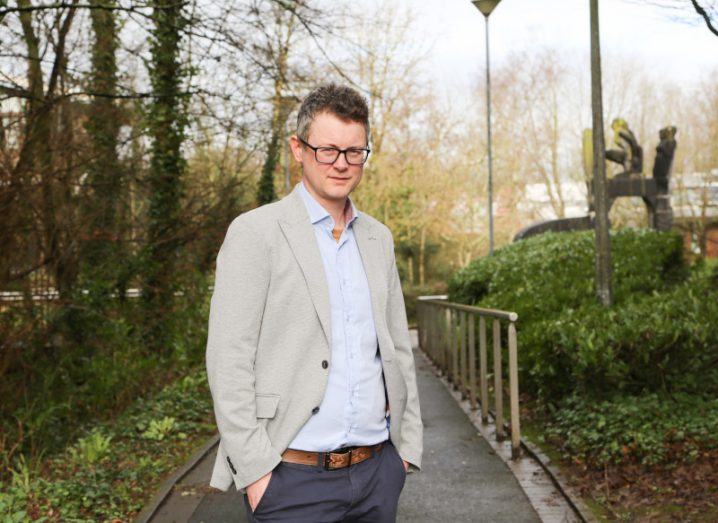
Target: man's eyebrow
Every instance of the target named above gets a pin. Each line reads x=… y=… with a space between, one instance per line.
x=350 y=147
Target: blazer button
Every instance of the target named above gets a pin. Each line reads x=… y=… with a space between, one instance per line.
x=231 y=466
x=325 y=364
x=315 y=410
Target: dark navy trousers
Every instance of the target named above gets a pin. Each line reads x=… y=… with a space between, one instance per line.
x=367 y=491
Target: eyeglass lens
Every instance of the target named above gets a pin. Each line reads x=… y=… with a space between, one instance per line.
x=331 y=154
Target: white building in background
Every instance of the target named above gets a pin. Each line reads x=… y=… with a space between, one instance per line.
x=536 y=200
x=694 y=198
x=692 y=195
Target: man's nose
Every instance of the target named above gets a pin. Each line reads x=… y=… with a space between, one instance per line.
x=341 y=163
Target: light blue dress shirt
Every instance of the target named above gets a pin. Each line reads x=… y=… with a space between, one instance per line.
x=353 y=411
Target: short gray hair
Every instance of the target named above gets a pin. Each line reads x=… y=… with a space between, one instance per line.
x=339 y=100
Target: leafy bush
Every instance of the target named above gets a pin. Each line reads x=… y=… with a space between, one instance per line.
x=93 y=481
x=60 y=388
x=649 y=429
x=91 y=449
x=547 y=275
x=661 y=342
x=660 y=335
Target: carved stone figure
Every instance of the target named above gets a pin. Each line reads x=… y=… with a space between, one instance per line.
x=629 y=153
x=629 y=183
x=664 y=157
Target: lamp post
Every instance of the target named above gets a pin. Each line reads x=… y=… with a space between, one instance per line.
x=486 y=7
x=600 y=197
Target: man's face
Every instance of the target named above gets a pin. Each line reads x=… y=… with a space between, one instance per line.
x=330 y=182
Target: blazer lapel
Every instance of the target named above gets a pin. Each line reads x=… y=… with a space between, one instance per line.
x=299 y=233
x=372 y=256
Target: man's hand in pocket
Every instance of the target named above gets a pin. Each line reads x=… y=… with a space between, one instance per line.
x=255 y=490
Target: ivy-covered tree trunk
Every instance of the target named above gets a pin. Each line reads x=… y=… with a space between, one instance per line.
x=284 y=22
x=102 y=255
x=167 y=121
x=265 y=190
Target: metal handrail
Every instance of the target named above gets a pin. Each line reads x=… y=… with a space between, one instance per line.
x=447 y=335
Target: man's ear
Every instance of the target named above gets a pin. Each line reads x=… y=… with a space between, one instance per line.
x=296 y=146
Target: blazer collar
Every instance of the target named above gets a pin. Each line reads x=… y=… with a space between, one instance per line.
x=297 y=228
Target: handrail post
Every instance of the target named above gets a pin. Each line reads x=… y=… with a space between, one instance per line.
x=514 y=389
x=464 y=381
x=432 y=331
x=498 y=383
x=483 y=371
x=472 y=362
x=454 y=348
x=447 y=344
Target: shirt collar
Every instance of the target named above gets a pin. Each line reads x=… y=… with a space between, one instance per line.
x=317 y=212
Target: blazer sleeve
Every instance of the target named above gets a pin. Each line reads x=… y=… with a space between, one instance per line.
x=237 y=304
x=412 y=429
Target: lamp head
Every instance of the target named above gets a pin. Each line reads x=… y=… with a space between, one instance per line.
x=485 y=6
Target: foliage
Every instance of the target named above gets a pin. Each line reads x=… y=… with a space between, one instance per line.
x=662 y=342
x=551 y=273
x=91 y=449
x=92 y=481
x=659 y=336
x=649 y=429
x=65 y=391
x=160 y=429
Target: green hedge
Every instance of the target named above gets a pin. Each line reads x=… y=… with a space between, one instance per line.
x=660 y=335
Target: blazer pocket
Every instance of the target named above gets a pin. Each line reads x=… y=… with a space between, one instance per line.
x=267 y=405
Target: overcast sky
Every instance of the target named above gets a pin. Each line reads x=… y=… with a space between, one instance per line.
x=628 y=28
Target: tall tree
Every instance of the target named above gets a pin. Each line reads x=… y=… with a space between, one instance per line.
x=104 y=181
x=277 y=58
x=167 y=121
x=37 y=155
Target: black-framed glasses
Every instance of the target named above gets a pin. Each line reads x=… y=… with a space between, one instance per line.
x=329 y=155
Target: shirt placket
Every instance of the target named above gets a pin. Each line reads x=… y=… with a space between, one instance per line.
x=342 y=265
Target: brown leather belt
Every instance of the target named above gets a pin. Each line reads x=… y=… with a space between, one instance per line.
x=333 y=460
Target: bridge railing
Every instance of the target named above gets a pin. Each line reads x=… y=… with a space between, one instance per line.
x=447 y=335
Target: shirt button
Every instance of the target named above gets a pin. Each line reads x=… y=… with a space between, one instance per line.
x=315 y=410
x=325 y=364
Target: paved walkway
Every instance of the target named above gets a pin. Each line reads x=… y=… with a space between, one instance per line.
x=462 y=478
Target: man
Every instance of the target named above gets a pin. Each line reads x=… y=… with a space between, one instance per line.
x=309 y=358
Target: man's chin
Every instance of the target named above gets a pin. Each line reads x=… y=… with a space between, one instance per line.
x=338 y=193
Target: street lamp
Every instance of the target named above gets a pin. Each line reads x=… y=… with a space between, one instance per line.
x=486 y=7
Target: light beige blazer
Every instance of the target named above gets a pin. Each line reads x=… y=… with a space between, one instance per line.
x=269 y=332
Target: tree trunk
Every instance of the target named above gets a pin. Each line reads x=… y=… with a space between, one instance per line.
x=167 y=123
x=100 y=206
x=280 y=109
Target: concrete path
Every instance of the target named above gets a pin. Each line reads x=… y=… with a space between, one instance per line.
x=462 y=479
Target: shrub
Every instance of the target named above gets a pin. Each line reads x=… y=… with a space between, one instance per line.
x=660 y=335
x=650 y=429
